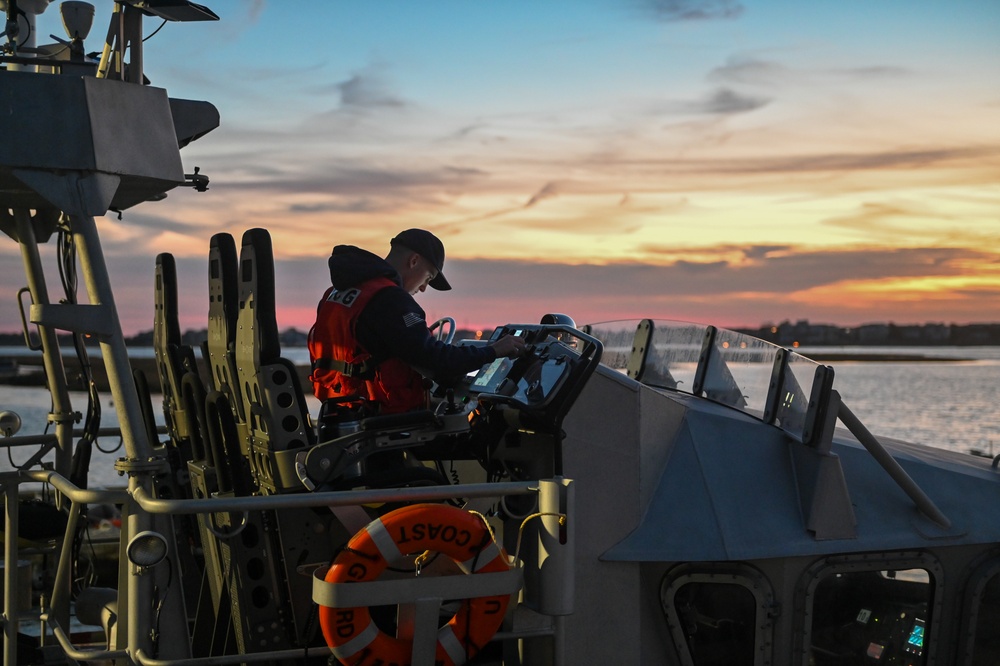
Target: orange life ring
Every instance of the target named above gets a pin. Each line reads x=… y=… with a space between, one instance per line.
x=461 y=535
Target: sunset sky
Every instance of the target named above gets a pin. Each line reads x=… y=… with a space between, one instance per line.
x=725 y=162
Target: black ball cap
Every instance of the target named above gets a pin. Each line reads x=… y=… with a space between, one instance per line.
x=428 y=246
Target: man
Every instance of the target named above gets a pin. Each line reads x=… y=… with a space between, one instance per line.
x=371 y=337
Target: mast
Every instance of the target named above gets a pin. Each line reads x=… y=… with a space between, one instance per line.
x=74 y=147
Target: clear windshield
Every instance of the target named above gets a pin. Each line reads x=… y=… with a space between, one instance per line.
x=739 y=371
x=617 y=338
x=722 y=365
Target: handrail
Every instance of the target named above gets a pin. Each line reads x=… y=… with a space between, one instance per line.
x=317 y=651
x=151 y=504
x=889 y=464
x=66 y=643
x=28 y=440
x=250 y=657
x=72 y=491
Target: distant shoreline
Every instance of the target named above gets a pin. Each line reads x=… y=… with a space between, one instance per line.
x=26 y=369
x=821 y=357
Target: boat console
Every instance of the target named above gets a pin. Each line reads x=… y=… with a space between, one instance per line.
x=534 y=391
x=544 y=382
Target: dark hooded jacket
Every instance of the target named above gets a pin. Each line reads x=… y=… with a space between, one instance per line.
x=392 y=325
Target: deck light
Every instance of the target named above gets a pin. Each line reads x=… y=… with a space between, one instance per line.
x=77 y=18
x=10 y=423
x=146 y=549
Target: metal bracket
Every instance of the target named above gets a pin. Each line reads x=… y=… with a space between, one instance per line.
x=197 y=180
x=94 y=319
x=640 y=349
x=707 y=344
x=132 y=466
x=775 y=386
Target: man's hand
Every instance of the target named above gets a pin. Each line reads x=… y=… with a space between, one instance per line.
x=510 y=346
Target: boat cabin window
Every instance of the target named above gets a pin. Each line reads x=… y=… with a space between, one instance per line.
x=879 y=616
x=984 y=643
x=718 y=619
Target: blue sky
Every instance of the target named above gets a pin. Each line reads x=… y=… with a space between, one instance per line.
x=727 y=162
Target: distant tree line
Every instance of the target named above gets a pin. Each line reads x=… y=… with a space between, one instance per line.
x=804 y=333
x=291 y=337
x=785 y=334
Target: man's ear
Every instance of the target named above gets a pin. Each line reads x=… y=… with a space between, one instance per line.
x=414 y=260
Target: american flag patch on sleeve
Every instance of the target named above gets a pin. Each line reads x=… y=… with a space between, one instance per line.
x=412 y=319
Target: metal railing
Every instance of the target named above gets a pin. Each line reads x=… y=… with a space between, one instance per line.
x=57 y=614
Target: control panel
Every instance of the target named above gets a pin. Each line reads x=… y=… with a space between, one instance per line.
x=534 y=390
x=545 y=381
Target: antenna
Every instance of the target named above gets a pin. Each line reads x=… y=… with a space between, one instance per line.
x=174 y=10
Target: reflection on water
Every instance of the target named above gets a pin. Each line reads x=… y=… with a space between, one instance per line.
x=33 y=405
x=946 y=404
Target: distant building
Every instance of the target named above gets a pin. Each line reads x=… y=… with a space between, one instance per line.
x=873 y=334
x=802 y=333
x=293 y=338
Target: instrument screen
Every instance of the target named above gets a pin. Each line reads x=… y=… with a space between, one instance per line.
x=530 y=380
x=489 y=377
x=546 y=378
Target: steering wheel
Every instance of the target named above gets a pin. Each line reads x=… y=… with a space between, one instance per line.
x=446 y=337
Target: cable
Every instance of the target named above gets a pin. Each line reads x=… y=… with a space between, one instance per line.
x=520 y=531
x=454 y=479
x=66 y=250
x=155 y=31
x=80 y=579
x=80 y=465
x=121 y=442
x=12 y=39
x=27 y=22
x=60 y=51
x=154 y=631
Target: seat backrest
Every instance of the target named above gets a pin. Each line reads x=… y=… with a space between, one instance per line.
x=178 y=373
x=277 y=416
x=173 y=359
x=223 y=310
x=278 y=426
x=231 y=446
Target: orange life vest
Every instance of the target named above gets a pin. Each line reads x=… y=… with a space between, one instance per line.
x=345 y=372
